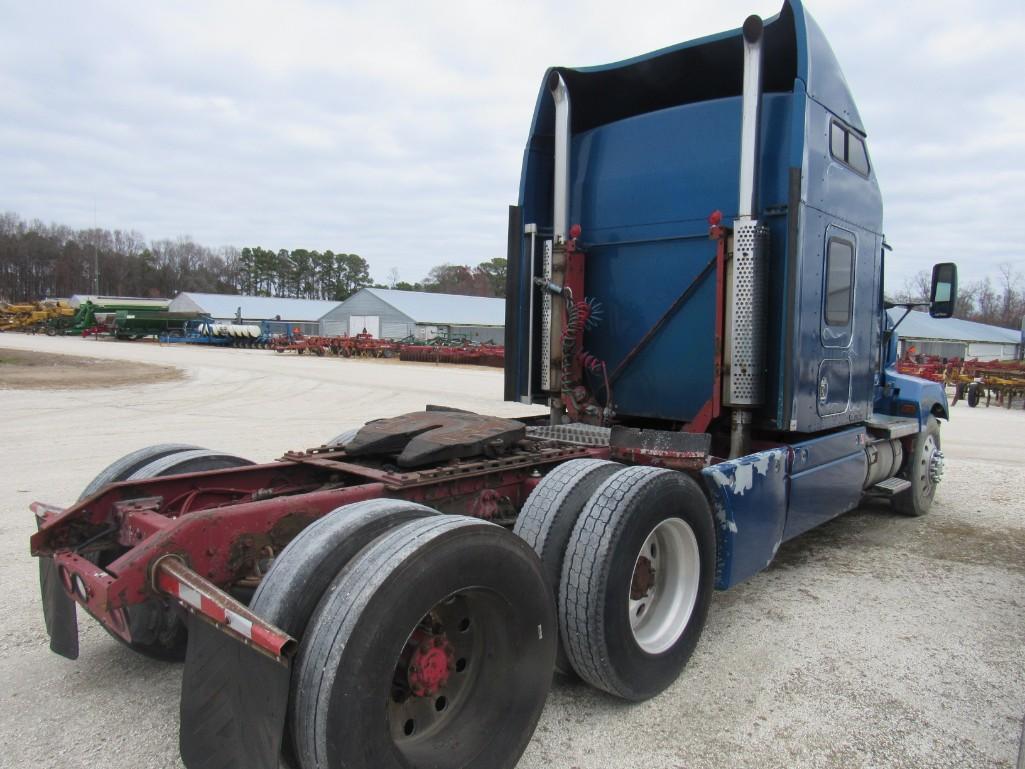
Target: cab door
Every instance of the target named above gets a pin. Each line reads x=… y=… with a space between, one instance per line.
x=833 y=395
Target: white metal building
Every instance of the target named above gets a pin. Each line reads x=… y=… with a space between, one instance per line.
x=282 y=313
x=124 y=301
x=955 y=338
x=390 y=314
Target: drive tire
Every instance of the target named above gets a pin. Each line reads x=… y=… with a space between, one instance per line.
x=600 y=570
x=123 y=468
x=547 y=518
x=289 y=592
x=917 y=500
x=159 y=621
x=191 y=461
x=348 y=660
x=292 y=587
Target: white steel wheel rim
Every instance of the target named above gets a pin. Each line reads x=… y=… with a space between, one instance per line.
x=659 y=616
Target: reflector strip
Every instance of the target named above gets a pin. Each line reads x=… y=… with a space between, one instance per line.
x=178 y=581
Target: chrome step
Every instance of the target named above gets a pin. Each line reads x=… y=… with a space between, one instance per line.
x=892 y=486
x=884 y=426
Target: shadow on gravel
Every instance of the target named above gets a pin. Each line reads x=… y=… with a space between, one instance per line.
x=875 y=526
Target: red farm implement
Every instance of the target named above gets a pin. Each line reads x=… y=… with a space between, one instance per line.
x=361 y=345
x=972 y=380
x=474 y=354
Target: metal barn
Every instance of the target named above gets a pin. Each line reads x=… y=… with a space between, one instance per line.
x=281 y=313
x=955 y=338
x=390 y=314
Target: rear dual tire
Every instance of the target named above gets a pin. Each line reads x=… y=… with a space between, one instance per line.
x=157 y=623
x=637 y=580
x=629 y=553
x=547 y=518
x=467 y=597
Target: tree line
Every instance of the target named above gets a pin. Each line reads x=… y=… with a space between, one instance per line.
x=40 y=260
x=996 y=303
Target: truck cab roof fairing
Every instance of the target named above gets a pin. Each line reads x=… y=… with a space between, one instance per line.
x=795 y=49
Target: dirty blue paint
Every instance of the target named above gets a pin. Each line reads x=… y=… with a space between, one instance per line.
x=903 y=391
x=827 y=475
x=750 y=498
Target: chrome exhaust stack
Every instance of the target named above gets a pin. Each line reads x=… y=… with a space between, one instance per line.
x=560 y=213
x=744 y=343
x=554 y=253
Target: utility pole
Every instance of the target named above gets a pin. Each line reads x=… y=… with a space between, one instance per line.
x=96 y=255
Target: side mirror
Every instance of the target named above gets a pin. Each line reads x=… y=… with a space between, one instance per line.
x=943 y=294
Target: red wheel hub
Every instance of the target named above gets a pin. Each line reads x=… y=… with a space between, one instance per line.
x=432 y=662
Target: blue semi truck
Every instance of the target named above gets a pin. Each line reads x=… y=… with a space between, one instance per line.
x=730 y=227
x=695 y=298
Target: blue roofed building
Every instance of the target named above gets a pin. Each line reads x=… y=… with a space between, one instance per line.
x=955 y=338
x=282 y=313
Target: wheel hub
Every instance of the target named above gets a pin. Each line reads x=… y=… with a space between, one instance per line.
x=936 y=466
x=430 y=665
x=643 y=579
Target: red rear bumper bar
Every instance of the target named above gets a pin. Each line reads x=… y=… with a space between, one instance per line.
x=204 y=599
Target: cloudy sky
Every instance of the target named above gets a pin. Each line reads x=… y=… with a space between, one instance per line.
x=395 y=130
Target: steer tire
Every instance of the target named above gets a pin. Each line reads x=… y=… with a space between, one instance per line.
x=601 y=568
x=918 y=499
x=547 y=518
x=446 y=585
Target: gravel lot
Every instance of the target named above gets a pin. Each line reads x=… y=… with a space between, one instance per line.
x=874 y=641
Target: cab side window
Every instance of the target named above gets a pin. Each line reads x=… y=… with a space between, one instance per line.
x=839 y=274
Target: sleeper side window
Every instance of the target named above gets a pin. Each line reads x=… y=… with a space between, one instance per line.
x=837 y=145
x=857 y=157
x=839 y=273
x=847 y=147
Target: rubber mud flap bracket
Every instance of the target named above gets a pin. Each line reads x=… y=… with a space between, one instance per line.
x=233 y=702
x=59 y=611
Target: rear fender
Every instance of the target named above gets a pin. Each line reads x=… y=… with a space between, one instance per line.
x=750 y=499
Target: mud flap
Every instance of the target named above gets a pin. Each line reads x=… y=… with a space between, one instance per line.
x=233 y=703
x=59 y=611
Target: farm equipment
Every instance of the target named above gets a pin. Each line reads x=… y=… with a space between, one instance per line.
x=34 y=317
x=132 y=324
x=364 y=603
x=206 y=331
x=971 y=379
x=360 y=345
x=98 y=318
x=460 y=352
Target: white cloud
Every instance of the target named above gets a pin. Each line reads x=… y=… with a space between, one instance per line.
x=396 y=129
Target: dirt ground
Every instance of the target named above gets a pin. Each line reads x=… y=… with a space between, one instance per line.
x=873 y=641
x=30 y=370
